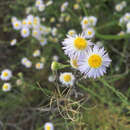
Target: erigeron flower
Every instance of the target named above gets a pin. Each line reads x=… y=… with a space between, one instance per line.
x=94 y=63
x=29 y=21
x=76 y=45
x=92 y=20
x=67 y=78
x=6 y=74
x=89 y=33
x=48 y=126
x=72 y=32
x=127 y=17
x=85 y=22
x=36 y=53
x=6 y=87
x=64 y=6
x=25 y=32
x=39 y=65
x=13 y=42
x=51 y=78
x=119 y=7
x=36 y=22
x=74 y=63
x=36 y=33
x=24 y=23
x=23 y=60
x=43 y=41
x=38 y=3
x=41 y=7
x=17 y=25
x=27 y=63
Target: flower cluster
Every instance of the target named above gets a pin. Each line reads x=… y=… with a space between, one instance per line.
x=89 y=58
x=6 y=75
x=125 y=21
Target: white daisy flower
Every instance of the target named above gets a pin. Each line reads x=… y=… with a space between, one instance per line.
x=6 y=74
x=28 y=64
x=76 y=45
x=13 y=42
x=71 y=32
x=94 y=63
x=92 y=20
x=89 y=33
x=24 y=23
x=48 y=126
x=41 y=7
x=36 y=53
x=127 y=17
x=43 y=41
x=119 y=7
x=67 y=78
x=38 y=3
x=64 y=6
x=6 y=87
x=36 y=33
x=36 y=22
x=39 y=65
x=74 y=63
x=25 y=32
x=85 y=23
x=23 y=60
x=17 y=25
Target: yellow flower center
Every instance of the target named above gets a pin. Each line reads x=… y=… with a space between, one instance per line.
x=89 y=32
x=48 y=128
x=38 y=65
x=24 y=31
x=5 y=86
x=35 y=33
x=29 y=22
x=74 y=63
x=5 y=74
x=24 y=22
x=16 y=25
x=85 y=21
x=95 y=61
x=67 y=78
x=91 y=21
x=80 y=43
